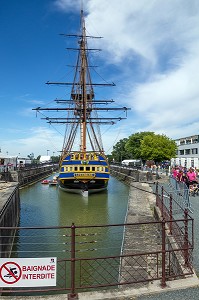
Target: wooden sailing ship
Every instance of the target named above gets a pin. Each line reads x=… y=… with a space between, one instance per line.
x=85 y=168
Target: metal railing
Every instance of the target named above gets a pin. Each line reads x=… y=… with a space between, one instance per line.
x=87 y=256
x=181 y=190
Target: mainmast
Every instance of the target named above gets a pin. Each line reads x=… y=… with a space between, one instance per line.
x=82 y=101
x=83 y=69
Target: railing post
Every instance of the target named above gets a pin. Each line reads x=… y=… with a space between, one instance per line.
x=170 y=213
x=72 y=295
x=156 y=192
x=163 y=282
x=186 y=242
x=162 y=201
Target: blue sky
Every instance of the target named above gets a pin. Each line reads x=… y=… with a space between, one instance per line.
x=150 y=51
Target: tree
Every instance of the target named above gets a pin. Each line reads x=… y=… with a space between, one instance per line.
x=133 y=144
x=110 y=158
x=158 y=147
x=55 y=159
x=119 y=152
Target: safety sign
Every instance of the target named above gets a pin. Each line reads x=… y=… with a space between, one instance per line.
x=28 y=272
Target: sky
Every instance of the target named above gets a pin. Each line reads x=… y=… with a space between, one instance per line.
x=149 y=50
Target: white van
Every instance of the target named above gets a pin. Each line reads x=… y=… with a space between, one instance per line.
x=131 y=162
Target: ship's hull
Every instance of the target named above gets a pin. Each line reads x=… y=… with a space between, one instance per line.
x=81 y=173
x=81 y=189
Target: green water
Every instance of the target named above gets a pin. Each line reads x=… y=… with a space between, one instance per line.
x=44 y=205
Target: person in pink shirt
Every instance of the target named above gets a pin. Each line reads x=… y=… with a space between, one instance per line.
x=174 y=172
x=192 y=176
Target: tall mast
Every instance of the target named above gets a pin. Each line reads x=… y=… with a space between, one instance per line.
x=83 y=70
x=82 y=107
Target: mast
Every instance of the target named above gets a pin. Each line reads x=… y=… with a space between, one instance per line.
x=82 y=102
x=83 y=84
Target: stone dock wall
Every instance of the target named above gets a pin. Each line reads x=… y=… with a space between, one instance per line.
x=10 y=200
x=144 y=237
x=30 y=175
x=131 y=175
x=9 y=215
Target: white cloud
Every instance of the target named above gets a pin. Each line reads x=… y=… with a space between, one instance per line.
x=164 y=38
x=155 y=46
x=39 y=140
x=67 y=5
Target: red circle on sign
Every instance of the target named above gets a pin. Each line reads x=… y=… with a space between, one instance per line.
x=10 y=273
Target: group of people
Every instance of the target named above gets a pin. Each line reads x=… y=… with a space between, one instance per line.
x=188 y=176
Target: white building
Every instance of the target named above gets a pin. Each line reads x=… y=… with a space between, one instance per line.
x=188 y=152
x=7 y=162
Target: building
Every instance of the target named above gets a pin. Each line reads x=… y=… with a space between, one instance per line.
x=188 y=152
x=7 y=162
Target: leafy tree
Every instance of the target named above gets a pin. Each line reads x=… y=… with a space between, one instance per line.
x=133 y=144
x=31 y=156
x=55 y=159
x=109 y=157
x=158 y=147
x=119 y=152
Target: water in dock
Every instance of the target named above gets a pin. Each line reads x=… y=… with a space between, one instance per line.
x=43 y=205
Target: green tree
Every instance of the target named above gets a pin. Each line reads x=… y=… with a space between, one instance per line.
x=158 y=147
x=55 y=159
x=110 y=158
x=133 y=144
x=119 y=152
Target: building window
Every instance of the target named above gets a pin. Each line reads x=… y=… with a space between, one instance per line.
x=195 y=151
x=192 y=163
x=181 y=152
x=194 y=141
x=182 y=142
x=187 y=151
x=81 y=168
x=188 y=141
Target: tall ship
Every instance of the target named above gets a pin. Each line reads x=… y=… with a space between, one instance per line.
x=83 y=164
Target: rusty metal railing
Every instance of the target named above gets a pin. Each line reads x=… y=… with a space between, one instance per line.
x=90 y=257
x=82 y=266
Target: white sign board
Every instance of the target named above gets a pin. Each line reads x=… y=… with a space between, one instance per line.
x=28 y=272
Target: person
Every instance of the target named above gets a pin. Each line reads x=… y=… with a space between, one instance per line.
x=193 y=189
x=174 y=172
x=181 y=176
x=192 y=176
